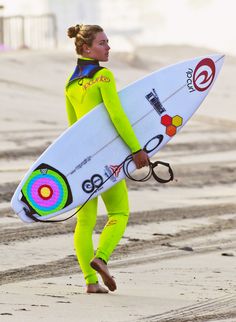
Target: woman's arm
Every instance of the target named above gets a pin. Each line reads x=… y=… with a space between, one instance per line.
x=70 y=112
x=113 y=105
x=120 y=120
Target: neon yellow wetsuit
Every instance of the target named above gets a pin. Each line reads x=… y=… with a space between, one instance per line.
x=81 y=97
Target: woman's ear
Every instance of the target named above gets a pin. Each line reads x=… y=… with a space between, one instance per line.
x=86 y=49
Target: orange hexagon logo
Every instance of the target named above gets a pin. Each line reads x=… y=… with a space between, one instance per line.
x=171 y=123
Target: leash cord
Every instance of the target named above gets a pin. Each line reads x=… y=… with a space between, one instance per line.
x=125 y=166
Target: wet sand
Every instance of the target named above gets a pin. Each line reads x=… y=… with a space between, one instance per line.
x=176 y=261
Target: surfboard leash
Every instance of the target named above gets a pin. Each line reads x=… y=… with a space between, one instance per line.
x=125 y=166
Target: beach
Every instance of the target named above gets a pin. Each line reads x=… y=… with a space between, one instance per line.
x=177 y=259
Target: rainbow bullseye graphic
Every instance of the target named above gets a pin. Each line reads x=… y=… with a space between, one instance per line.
x=46 y=191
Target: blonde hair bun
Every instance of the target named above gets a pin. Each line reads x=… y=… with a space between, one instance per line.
x=73 y=31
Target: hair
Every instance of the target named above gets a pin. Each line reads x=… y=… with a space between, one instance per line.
x=83 y=34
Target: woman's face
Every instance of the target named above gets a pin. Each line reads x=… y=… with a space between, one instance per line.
x=99 y=49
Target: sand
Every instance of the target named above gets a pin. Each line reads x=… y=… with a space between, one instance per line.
x=176 y=260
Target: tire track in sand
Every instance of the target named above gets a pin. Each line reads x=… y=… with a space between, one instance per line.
x=123 y=255
x=219 y=309
x=26 y=232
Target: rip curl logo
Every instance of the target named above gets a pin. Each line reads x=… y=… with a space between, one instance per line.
x=96 y=80
x=202 y=76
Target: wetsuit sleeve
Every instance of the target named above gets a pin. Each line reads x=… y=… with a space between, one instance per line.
x=70 y=112
x=113 y=105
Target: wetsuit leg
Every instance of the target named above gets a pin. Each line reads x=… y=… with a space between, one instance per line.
x=117 y=205
x=86 y=220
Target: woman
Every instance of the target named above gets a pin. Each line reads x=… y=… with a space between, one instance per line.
x=89 y=85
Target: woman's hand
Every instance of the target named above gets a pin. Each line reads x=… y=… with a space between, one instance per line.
x=140 y=159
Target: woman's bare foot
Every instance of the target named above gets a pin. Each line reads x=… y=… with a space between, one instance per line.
x=102 y=269
x=96 y=288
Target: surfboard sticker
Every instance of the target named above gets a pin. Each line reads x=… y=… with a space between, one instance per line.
x=46 y=190
x=202 y=76
x=171 y=123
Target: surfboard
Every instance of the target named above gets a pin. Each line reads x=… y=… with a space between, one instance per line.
x=82 y=158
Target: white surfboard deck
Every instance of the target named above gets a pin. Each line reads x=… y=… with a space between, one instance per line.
x=82 y=158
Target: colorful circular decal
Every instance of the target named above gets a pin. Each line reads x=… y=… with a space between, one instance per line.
x=46 y=191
